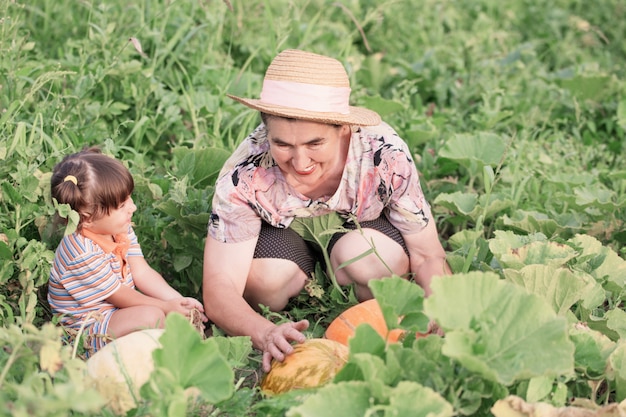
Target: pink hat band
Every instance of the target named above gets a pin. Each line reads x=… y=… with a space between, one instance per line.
x=311 y=97
x=306 y=86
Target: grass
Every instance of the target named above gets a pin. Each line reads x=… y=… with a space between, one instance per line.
x=148 y=82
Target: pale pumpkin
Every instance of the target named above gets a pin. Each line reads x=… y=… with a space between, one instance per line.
x=121 y=367
x=342 y=328
x=311 y=364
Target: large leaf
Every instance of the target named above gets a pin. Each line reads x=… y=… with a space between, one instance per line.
x=400 y=299
x=355 y=399
x=201 y=165
x=514 y=251
x=587 y=86
x=598 y=197
x=531 y=222
x=499 y=330
x=617 y=370
x=194 y=362
x=472 y=206
x=318 y=229
x=601 y=262
x=592 y=349
x=560 y=287
x=345 y=399
x=616 y=321
x=483 y=148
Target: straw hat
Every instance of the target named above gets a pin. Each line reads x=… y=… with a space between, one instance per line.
x=307 y=86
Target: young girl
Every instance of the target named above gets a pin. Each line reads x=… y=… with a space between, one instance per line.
x=100 y=280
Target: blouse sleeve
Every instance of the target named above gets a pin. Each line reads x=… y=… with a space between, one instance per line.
x=233 y=218
x=407 y=208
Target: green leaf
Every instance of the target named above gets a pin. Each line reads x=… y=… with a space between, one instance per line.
x=201 y=165
x=617 y=371
x=483 y=148
x=412 y=399
x=458 y=202
x=592 y=349
x=473 y=206
x=498 y=330
x=598 y=197
x=318 y=229
x=605 y=264
x=517 y=251
x=367 y=340
x=560 y=287
x=621 y=113
x=236 y=349
x=381 y=105
x=192 y=361
x=616 y=321
x=5 y=251
x=400 y=298
x=11 y=194
x=587 y=87
x=346 y=399
x=539 y=388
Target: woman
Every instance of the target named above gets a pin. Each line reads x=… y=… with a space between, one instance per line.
x=313 y=154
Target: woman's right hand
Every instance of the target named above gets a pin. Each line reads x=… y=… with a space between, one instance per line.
x=277 y=341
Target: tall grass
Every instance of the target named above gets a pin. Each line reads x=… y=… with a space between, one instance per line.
x=148 y=82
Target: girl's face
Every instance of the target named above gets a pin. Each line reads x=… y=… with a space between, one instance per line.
x=307 y=153
x=117 y=221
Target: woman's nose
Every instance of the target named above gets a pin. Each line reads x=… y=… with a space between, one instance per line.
x=300 y=159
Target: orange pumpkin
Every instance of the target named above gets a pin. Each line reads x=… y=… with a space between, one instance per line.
x=342 y=328
x=311 y=364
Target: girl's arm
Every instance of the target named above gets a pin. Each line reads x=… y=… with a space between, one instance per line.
x=153 y=286
x=125 y=297
x=149 y=281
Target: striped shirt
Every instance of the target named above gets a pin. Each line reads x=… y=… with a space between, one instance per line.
x=84 y=275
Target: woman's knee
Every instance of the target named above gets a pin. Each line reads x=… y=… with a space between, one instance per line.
x=272 y=282
x=387 y=257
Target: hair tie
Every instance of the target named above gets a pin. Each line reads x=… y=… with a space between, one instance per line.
x=71 y=178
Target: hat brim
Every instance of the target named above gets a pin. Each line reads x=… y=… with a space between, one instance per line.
x=358 y=115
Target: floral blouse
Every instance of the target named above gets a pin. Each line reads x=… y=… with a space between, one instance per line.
x=379 y=177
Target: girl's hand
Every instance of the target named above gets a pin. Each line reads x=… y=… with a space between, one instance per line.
x=192 y=303
x=184 y=305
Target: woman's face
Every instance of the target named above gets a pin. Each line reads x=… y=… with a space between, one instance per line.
x=307 y=153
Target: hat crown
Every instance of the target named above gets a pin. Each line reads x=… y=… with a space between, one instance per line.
x=308 y=68
x=307 y=86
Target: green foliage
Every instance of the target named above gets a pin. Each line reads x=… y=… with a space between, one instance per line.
x=515 y=112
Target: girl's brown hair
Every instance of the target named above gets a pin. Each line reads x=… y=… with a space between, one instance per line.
x=92 y=183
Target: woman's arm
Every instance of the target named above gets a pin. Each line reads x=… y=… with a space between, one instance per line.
x=427 y=256
x=226 y=269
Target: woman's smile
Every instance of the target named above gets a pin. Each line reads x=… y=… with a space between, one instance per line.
x=307 y=171
x=310 y=155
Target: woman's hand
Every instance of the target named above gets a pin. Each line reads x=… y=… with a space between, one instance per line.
x=277 y=341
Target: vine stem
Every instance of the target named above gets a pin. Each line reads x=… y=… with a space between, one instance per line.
x=8 y=365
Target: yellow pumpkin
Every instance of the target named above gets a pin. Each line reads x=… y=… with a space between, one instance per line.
x=311 y=364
